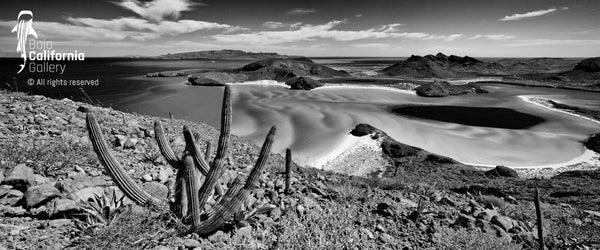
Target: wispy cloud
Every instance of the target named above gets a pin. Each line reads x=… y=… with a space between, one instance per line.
x=124 y=28
x=496 y=37
x=370 y=45
x=308 y=32
x=516 y=17
x=280 y=25
x=300 y=12
x=551 y=42
x=157 y=10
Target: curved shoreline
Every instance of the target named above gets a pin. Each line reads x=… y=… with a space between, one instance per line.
x=532 y=99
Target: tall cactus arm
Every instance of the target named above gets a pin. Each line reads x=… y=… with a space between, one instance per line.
x=193 y=149
x=223 y=144
x=288 y=170
x=163 y=145
x=123 y=181
x=217 y=165
x=233 y=200
x=192 y=186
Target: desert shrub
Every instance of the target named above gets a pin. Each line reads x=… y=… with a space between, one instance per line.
x=132 y=230
x=48 y=157
x=497 y=202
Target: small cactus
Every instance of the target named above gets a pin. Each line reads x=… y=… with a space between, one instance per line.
x=188 y=197
x=538 y=214
x=288 y=170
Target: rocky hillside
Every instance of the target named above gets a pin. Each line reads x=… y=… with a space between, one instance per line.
x=442 y=66
x=225 y=54
x=54 y=194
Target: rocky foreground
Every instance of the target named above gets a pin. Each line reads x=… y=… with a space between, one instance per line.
x=54 y=194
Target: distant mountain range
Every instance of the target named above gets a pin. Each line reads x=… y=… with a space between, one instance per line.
x=222 y=55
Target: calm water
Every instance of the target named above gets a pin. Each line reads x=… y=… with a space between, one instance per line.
x=313 y=123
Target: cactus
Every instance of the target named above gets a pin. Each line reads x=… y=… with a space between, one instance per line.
x=288 y=170
x=538 y=214
x=188 y=196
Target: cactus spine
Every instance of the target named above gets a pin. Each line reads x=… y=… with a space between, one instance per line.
x=189 y=196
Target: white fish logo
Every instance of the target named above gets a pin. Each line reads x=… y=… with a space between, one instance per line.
x=24 y=28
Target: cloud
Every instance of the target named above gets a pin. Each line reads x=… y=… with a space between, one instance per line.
x=551 y=42
x=370 y=45
x=279 y=25
x=157 y=10
x=495 y=37
x=358 y=15
x=300 y=12
x=124 y=28
x=308 y=32
x=452 y=37
x=516 y=17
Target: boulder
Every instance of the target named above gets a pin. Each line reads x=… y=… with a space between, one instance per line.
x=156 y=189
x=435 y=89
x=21 y=177
x=304 y=83
x=12 y=197
x=502 y=171
x=39 y=195
x=362 y=130
x=503 y=222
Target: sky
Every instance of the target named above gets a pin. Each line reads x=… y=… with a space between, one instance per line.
x=348 y=28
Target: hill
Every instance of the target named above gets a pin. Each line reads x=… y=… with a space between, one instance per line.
x=442 y=66
x=221 y=55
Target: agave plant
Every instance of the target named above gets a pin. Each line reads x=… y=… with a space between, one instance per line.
x=190 y=195
x=103 y=208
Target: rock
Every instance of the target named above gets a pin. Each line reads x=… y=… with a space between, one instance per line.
x=384 y=209
x=147 y=177
x=12 y=211
x=21 y=177
x=58 y=207
x=304 y=83
x=84 y=194
x=12 y=197
x=275 y=213
x=300 y=209
x=164 y=174
x=4 y=190
x=215 y=78
x=503 y=172
x=380 y=228
x=443 y=88
x=191 y=243
x=385 y=238
x=130 y=143
x=244 y=232
x=503 y=222
x=39 y=195
x=59 y=222
x=367 y=232
x=156 y=189
x=487 y=214
x=120 y=140
x=219 y=236
x=363 y=129
x=465 y=221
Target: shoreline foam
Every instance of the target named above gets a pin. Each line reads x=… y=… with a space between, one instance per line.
x=531 y=99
